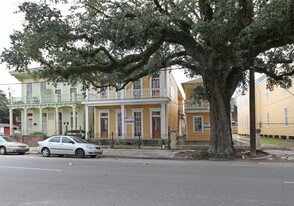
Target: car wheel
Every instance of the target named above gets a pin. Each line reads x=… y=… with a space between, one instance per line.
x=45 y=152
x=2 y=150
x=80 y=153
x=93 y=156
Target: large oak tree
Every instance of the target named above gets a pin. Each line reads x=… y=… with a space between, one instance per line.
x=113 y=42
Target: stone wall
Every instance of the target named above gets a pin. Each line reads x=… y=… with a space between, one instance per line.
x=31 y=140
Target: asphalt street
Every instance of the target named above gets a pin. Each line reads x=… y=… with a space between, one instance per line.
x=35 y=180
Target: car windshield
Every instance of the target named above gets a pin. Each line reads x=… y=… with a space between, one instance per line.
x=6 y=139
x=79 y=140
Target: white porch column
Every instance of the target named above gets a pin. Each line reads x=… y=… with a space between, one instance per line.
x=25 y=118
x=95 y=123
x=123 y=124
x=161 y=83
x=87 y=122
x=163 y=121
x=57 y=121
x=74 y=126
x=11 y=121
x=41 y=120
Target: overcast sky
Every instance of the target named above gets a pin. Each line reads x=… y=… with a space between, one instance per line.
x=9 y=21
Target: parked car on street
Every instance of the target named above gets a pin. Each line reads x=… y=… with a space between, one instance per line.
x=68 y=145
x=9 y=145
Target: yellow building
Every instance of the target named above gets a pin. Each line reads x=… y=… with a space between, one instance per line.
x=274 y=111
x=243 y=113
x=196 y=113
x=147 y=108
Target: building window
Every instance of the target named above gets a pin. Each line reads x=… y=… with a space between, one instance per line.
x=44 y=121
x=267 y=120
x=137 y=124
x=198 y=124
x=73 y=93
x=286 y=117
x=155 y=85
x=119 y=94
x=267 y=93
x=29 y=89
x=42 y=87
x=71 y=120
x=58 y=95
x=119 y=124
x=137 y=88
x=260 y=122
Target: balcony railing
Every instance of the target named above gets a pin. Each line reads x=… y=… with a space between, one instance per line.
x=128 y=94
x=197 y=105
x=51 y=98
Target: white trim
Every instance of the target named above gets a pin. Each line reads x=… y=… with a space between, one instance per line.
x=137 y=101
x=150 y=115
x=87 y=121
x=202 y=130
x=95 y=122
x=164 y=121
x=142 y=121
x=99 y=121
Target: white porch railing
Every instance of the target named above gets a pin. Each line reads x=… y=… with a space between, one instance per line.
x=196 y=105
x=51 y=98
x=128 y=94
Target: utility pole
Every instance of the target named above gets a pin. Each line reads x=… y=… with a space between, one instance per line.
x=252 y=103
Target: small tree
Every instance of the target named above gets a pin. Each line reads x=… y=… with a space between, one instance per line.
x=111 y=43
x=4 y=111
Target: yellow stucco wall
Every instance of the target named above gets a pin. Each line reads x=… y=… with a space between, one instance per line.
x=270 y=111
x=198 y=136
x=273 y=104
x=190 y=133
x=129 y=113
x=243 y=114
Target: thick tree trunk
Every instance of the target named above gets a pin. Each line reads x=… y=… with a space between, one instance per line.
x=221 y=143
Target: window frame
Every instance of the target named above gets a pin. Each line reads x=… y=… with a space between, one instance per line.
x=201 y=124
x=286 y=119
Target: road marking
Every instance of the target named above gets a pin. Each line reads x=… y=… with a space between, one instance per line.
x=30 y=168
x=288 y=182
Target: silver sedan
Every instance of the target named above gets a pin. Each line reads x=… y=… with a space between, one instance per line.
x=68 y=145
x=9 y=145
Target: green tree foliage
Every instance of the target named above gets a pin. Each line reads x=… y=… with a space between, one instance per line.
x=4 y=111
x=199 y=94
x=111 y=43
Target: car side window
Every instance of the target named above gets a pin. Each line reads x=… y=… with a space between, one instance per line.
x=55 y=139
x=65 y=140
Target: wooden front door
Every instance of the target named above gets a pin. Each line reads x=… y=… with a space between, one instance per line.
x=104 y=127
x=156 y=127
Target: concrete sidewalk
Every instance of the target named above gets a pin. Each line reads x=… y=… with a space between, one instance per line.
x=283 y=154
x=133 y=153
